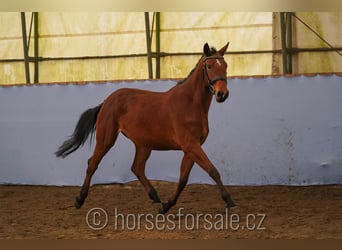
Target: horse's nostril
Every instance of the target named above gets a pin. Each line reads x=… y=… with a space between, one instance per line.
x=221 y=96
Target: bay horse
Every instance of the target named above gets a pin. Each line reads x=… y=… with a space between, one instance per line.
x=173 y=120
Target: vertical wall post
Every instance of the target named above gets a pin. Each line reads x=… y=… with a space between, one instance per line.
x=289 y=41
x=286 y=41
x=283 y=41
x=36 y=48
x=148 y=44
x=25 y=46
x=158 y=45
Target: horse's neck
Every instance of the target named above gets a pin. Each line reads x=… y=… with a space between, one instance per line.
x=196 y=85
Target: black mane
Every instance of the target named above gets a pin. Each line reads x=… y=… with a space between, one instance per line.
x=213 y=51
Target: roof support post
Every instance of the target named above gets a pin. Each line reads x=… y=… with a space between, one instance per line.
x=36 y=48
x=25 y=46
x=286 y=41
x=148 y=44
x=289 y=41
x=158 y=45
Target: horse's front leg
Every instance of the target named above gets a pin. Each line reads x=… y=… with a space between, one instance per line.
x=197 y=154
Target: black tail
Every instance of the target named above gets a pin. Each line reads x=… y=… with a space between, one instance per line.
x=85 y=126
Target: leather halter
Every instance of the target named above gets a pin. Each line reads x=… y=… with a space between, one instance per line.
x=211 y=82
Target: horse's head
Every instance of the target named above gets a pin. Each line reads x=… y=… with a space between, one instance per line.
x=215 y=71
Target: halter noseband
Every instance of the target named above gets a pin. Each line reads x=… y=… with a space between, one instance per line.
x=211 y=82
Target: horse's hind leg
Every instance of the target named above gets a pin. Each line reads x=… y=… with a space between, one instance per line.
x=138 y=168
x=105 y=139
x=185 y=169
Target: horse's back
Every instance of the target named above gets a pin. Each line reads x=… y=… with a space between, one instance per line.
x=127 y=100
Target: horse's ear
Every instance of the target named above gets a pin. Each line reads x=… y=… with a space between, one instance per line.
x=206 y=49
x=223 y=49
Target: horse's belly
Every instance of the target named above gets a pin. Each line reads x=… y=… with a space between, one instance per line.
x=165 y=145
x=154 y=142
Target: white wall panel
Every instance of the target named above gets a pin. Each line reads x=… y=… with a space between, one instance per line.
x=270 y=131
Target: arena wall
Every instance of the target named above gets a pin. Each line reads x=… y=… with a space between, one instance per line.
x=271 y=130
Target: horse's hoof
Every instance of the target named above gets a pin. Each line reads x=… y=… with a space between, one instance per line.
x=78 y=203
x=162 y=208
x=165 y=208
x=233 y=210
x=158 y=206
x=161 y=211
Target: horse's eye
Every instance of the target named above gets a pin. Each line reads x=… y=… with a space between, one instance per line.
x=209 y=66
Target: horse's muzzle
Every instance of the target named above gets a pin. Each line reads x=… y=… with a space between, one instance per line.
x=221 y=96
